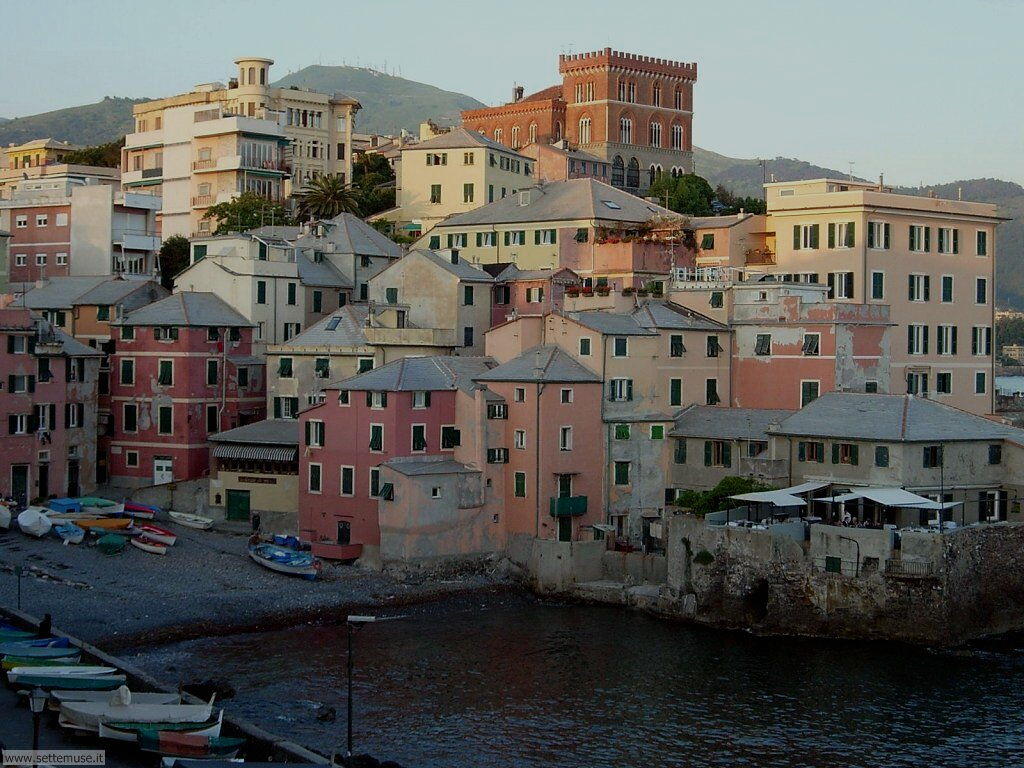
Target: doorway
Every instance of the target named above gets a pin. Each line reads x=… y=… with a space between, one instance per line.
x=43 y=480
x=565 y=528
x=19 y=483
x=74 y=488
x=163 y=470
x=238 y=505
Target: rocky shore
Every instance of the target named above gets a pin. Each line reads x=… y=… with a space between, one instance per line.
x=206 y=585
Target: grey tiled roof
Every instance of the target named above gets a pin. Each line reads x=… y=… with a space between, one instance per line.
x=891 y=418
x=460 y=138
x=462 y=269
x=418 y=374
x=611 y=323
x=188 y=308
x=268 y=431
x=319 y=274
x=718 y=222
x=131 y=293
x=59 y=292
x=412 y=466
x=350 y=234
x=543 y=363
x=69 y=346
x=346 y=332
x=512 y=272
x=669 y=316
x=726 y=423
x=563 y=201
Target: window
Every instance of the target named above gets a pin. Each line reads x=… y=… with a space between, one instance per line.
x=348 y=481
x=840 y=285
x=810 y=451
x=291 y=294
x=949 y=240
x=467 y=295
x=17 y=424
x=625 y=130
x=657 y=431
x=995 y=454
x=679 y=456
x=809 y=391
x=620 y=347
x=932 y=456
x=42 y=219
x=243 y=377
x=716 y=300
x=946 y=339
x=322 y=367
x=812 y=344
x=420 y=400
x=450 y=438
x=920 y=238
x=881 y=456
x=877 y=285
x=20 y=222
x=519 y=395
x=17 y=345
x=981 y=243
x=212 y=419
x=677 y=136
x=622 y=431
x=211 y=373
x=284 y=368
x=917 y=339
x=467 y=336
x=654 y=134
x=584 y=347
x=467 y=158
x=947 y=289
x=131 y=458
x=261 y=292
x=419 y=438
x=944 y=383
x=711 y=392
x=435 y=242
x=919 y=288
x=717 y=453
x=584 y=131
x=130 y=418
x=467 y=193
x=981 y=290
x=980 y=382
x=841 y=235
x=315 y=433
x=19 y=260
x=565 y=439
x=374 y=482
x=377 y=400
x=675 y=388
x=845 y=453
x=566 y=395
x=620 y=390
x=515 y=237
x=805 y=236
x=286 y=407
x=364 y=364
x=519 y=439
x=41 y=259
x=166 y=420
x=165 y=376
x=917 y=383
x=435 y=193
x=763 y=344
x=713 y=347
x=62 y=259
x=622 y=473
x=981 y=341
x=545 y=236
x=486 y=239
x=520 y=485
x=377 y=437
x=497 y=411
x=878 y=235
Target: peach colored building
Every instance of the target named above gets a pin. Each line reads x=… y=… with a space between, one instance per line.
x=559 y=161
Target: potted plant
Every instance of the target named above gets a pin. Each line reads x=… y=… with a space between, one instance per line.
x=603 y=290
x=628 y=290
x=588 y=291
x=642 y=292
x=573 y=290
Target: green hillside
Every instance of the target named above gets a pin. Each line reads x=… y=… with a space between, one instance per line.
x=389 y=103
x=96 y=123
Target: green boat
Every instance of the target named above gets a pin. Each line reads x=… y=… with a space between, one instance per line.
x=95 y=501
x=67 y=682
x=176 y=744
x=10 y=662
x=13 y=635
x=133 y=731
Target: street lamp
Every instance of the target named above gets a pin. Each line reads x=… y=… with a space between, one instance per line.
x=36 y=702
x=353 y=622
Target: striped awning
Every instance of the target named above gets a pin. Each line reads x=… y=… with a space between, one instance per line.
x=256 y=452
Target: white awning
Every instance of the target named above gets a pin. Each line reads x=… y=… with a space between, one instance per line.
x=778 y=498
x=887 y=497
x=796 y=490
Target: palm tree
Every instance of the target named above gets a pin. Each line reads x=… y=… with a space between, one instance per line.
x=325 y=197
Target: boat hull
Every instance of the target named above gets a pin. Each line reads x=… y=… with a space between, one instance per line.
x=11 y=662
x=176 y=744
x=129 y=731
x=146 y=544
x=192 y=521
x=87 y=715
x=67 y=682
x=34 y=522
x=158 y=534
x=304 y=567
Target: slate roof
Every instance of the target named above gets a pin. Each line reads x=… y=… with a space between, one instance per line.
x=188 y=308
x=350 y=234
x=542 y=363
x=267 y=432
x=611 y=323
x=460 y=138
x=462 y=269
x=69 y=346
x=59 y=292
x=512 y=272
x=551 y=92
x=323 y=273
x=412 y=466
x=131 y=293
x=726 y=423
x=891 y=418
x=718 y=222
x=563 y=201
x=420 y=374
x=346 y=332
x=670 y=316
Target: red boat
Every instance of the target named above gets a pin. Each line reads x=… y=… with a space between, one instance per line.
x=156 y=533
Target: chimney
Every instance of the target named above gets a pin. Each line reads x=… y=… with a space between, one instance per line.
x=959 y=193
x=517 y=93
x=455 y=255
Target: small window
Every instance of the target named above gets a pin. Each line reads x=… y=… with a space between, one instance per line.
x=621 y=347
x=676 y=346
x=519 y=439
x=519 y=395
x=932 y=456
x=995 y=454
x=881 y=456
x=565 y=439
x=566 y=394
x=520 y=485
x=622 y=473
x=435 y=492
x=211 y=373
x=165 y=376
x=584 y=347
x=131 y=458
x=713 y=347
x=657 y=431
x=622 y=431
x=763 y=344
x=812 y=344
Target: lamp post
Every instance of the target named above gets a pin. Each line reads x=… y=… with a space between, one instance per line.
x=352 y=623
x=36 y=702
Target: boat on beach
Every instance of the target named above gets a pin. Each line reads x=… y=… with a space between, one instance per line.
x=5 y=517
x=192 y=521
x=87 y=715
x=10 y=662
x=131 y=730
x=18 y=646
x=146 y=544
x=104 y=523
x=75 y=670
x=156 y=533
x=141 y=511
x=45 y=679
x=70 y=533
x=34 y=652
x=34 y=522
x=193 y=745
x=136 y=697
x=284 y=560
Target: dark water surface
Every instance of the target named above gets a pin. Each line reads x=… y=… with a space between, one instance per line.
x=507 y=681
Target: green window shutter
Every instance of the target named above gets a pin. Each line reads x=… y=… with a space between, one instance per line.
x=910 y=287
x=506 y=237
x=927 y=287
x=727 y=454
x=885 y=236
x=953 y=345
x=383 y=399
x=554 y=236
x=796 y=237
x=871 y=236
x=479 y=239
x=910 y=339
x=707 y=453
x=629 y=389
x=536 y=237
x=277 y=407
x=677 y=392
x=821 y=452
x=835 y=453
x=801 y=451
x=927 y=239
x=851 y=237
x=369 y=399
x=435 y=242
x=956 y=241
x=308 y=426
x=910 y=237
x=925 y=340
x=854 y=454
x=831 y=235
x=814 y=235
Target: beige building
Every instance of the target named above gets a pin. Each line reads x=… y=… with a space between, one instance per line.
x=453 y=172
x=207 y=146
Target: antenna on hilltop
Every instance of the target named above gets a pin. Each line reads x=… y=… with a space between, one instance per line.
x=850 y=176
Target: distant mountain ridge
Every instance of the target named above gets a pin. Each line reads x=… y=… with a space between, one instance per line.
x=87 y=124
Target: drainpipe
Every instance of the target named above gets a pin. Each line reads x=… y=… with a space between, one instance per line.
x=536 y=440
x=223 y=377
x=607 y=436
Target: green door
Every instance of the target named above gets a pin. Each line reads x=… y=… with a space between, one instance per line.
x=565 y=528
x=238 y=505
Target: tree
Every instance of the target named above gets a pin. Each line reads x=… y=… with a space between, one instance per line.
x=174 y=258
x=373 y=183
x=325 y=197
x=730 y=203
x=702 y=502
x=247 y=211
x=106 y=155
x=690 y=194
x=386 y=227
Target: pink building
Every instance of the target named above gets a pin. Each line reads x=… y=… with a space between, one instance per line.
x=183 y=370
x=529 y=292
x=558 y=161
x=48 y=402
x=404 y=408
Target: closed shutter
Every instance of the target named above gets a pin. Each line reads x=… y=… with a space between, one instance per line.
x=383 y=399
x=910 y=339
x=67 y=415
x=727 y=454
x=910 y=287
x=924 y=340
x=849 y=285
x=506 y=237
x=52 y=420
x=910 y=237
x=277 y=407
x=927 y=287
x=835 y=453
x=369 y=399
x=308 y=431
x=854 y=454
x=831 y=235
x=12 y=424
x=956 y=241
x=536 y=237
x=885 y=231
x=801 y=451
x=796 y=237
x=33 y=422
x=707 y=453
x=927 y=239
x=629 y=389
x=10 y=382
x=871 y=236
x=850 y=234
x=831 y=285
x=814 y=235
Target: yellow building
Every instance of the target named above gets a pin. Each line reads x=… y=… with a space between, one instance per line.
x=215 y=142
x=451 y=173
x=33 y=154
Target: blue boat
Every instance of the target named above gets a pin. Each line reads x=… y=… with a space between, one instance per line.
x=70 y=533
x=38 y=653
x=64 y=505
x=284 y=560
x=35 y=642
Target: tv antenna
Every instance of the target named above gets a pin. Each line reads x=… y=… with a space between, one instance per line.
x=850 y=175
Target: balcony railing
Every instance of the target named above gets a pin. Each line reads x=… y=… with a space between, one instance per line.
x=568 y=506
x=760 y=256
x=202 y=201
x=152 y=173
x=199 y=165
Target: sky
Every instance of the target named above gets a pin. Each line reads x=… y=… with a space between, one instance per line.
x=924 y=91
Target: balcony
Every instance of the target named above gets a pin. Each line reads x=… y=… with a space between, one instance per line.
x=137 y=240
x=202 y=201
x=568 y=506
x=239 y=163
x=152 y=173
x=200 y=165
x=758 y=257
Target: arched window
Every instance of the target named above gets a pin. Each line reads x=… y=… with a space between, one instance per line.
x=622 y=90
x=677 y=136
x=252 y=75
x=584 y=136
x=497 y=135
x=654 y=134
x=651 y=173
x=633 y=173
x=656 y=95
x=618 y=172
x=533 y=133
x=632 y=92
x=678 y=102
x=579 y=92
x=590 y=91
x=263 y=75
x=625 y=130
x=558 y=130
x=515 y=137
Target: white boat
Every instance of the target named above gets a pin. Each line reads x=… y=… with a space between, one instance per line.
x=34 y=522
x=136 y=698
x=113 y=510
x=192 y=521
x=57 y=670
x=87 y=715
x=5 y=517
x=147 y=544
x=119 y=730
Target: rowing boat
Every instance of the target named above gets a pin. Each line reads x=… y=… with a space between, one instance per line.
x=5 y=517
x=141 y=511
x=10 y=662
x=70 y=671
x=136 y=698
x=34 y=522
x=156 y=533
x=192 y=521
x=87 y=715
x=65 y=682
x=70 y=533
x=130 y=731
x=176 y=744
x=285 y=560
x=146 y=544
x=17 y=647
x=36 y=652
x=104 y=523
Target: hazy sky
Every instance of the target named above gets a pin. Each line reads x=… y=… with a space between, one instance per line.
x=922 y=90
